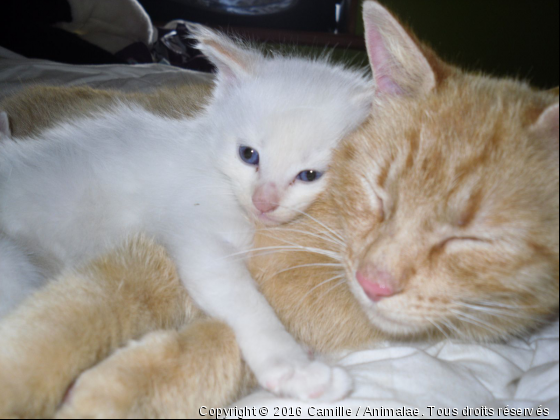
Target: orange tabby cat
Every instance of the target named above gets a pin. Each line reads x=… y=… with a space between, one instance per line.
x=442 y=220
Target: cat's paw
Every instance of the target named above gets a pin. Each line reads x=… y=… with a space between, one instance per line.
x=98 y=394
x=121 y=386
x=24 y=391
x=306 y=382
x=9 y=398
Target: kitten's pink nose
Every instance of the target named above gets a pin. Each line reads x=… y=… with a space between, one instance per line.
x=376 y=283
x=266 y=198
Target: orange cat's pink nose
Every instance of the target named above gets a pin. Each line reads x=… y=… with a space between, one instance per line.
x=376 y=283
x=266 y=198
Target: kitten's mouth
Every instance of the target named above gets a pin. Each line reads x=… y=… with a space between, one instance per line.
x=267 y=219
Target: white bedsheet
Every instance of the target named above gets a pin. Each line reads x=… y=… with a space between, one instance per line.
x=17 y=72
x=445 y=375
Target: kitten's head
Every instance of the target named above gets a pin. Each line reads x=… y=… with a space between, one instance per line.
x=276 y=122
x=448 y=196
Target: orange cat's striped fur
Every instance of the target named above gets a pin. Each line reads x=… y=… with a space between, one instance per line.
x=450 y=190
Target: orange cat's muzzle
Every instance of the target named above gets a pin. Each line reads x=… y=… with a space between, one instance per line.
x=377 y=284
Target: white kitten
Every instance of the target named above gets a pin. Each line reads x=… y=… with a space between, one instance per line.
x=261 y=150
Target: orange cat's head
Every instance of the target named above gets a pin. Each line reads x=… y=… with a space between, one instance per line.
x=447 y=199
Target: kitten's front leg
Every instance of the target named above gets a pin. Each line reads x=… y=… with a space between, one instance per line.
x=223 y=287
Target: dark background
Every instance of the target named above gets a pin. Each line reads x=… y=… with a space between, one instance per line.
x=518 y=38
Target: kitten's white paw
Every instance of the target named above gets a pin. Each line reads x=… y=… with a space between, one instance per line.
x=312 y=381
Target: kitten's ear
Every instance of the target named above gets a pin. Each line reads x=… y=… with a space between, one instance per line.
x=546 y=128
x=398 y=63
x=232 y=61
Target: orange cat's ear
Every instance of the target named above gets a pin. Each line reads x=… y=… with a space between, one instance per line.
x=546 y=127
x=398 y=63
x=232 y=61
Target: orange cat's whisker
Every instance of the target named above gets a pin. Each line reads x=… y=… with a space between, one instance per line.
x=439 y=328
x=492 y=304
x=498 y=312
x=449 y=324
x=470 y=319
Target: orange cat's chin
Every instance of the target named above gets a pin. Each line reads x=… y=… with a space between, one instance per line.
x=390 y=315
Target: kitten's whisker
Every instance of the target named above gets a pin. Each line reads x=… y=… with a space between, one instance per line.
x=336 y=286
x=317 y=286
x=325 y=252
x=244 y=255
x=337 y=265
x=266 y=248
x=315 y=235
x=272 y=252
x=322 y=231
x=336 y=235
x=277 y=249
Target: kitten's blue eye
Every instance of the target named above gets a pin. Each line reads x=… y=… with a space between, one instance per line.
x=309 y=176
x=249 y=155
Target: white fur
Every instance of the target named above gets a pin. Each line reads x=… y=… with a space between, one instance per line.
x=18 y=276
x=90 y=184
